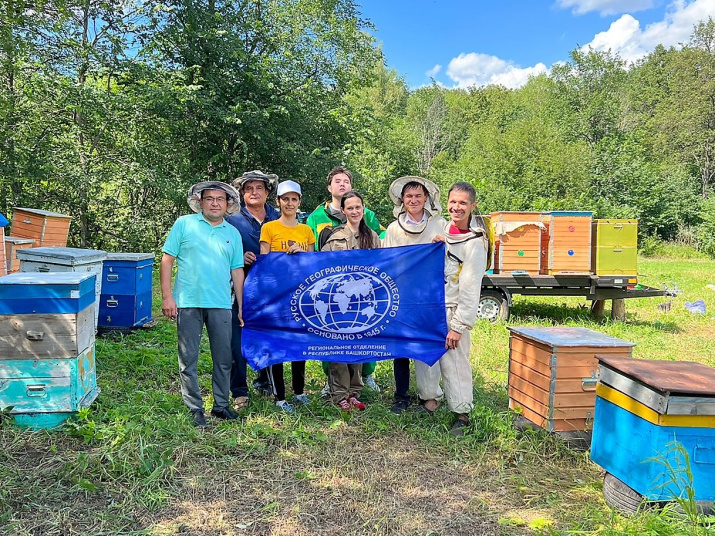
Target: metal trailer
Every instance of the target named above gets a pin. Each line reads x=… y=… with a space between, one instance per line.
x=497 y=291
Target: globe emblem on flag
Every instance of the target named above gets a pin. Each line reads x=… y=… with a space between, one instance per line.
x=345 y=303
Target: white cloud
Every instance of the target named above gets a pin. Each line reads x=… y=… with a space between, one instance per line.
x=606 y=7
x=434 y=71
x=475 y=69
x=626 y=37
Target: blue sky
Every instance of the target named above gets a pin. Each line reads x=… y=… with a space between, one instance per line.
x=462 y=43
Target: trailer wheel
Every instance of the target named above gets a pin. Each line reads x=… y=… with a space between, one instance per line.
x=493 y=306
x=620 y=496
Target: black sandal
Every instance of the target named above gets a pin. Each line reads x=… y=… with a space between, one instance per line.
x=459 y=426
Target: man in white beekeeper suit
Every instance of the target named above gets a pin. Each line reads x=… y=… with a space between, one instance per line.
x=465 y=264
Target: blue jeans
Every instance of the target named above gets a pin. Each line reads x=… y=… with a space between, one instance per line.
x=239 y=385
x=189 y=327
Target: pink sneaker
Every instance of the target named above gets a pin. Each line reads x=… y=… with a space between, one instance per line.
x=354 y=402
x=344 y=405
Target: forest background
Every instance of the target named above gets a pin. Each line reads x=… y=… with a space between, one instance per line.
x=111 y=109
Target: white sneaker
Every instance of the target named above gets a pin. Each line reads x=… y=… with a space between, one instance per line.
x=326 y=391
x=285 y=406
x=370 y=383
x=302 y=399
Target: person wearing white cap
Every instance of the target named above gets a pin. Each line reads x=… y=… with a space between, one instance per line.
x=288 y=235
x=209 y=255
x=418 y=220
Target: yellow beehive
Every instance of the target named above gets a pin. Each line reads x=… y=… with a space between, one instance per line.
x=615 y=247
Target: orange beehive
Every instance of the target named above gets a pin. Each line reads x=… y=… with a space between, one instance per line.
x=569 y=242
x=46 y=228
x=517 y=241
x=3 y=263
x=552 y=374
x=14 y=244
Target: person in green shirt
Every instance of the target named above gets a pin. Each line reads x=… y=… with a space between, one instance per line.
x=328 y=215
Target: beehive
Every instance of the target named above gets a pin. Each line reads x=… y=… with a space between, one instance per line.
x=12 y=245
x=45 y=392
x=569 y=242
x=126 y=297
x=517 y=237
x=651 y=415
x=47 y=362
x=615 y=247
x=59 y=259
x=552 y=374
x=3 y=255
x=45 y=227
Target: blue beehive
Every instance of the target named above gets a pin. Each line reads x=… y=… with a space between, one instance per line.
x=52 y=292
x=47 y=363
x=655 y=425
x=126 y=298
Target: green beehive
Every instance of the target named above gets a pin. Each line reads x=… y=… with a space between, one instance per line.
x=614 y=248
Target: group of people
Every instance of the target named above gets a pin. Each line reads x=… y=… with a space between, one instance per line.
x=217 y=245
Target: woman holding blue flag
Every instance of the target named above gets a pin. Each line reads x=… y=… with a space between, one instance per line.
x=345 y=380
x=288 y=235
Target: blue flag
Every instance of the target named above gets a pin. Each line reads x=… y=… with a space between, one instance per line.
x=346 y=306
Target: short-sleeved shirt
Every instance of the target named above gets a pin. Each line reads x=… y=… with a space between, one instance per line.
x=281 y=237
x=205 y=255
x=250 y=228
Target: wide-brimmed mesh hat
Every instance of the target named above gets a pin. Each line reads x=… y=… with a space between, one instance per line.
x=269 y=179
x=432 y=205
x=232 y=196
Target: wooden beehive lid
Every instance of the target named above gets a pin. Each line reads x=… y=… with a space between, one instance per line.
x=570 y=337
x=40 y=212
x=60 y=255
x=672 y=377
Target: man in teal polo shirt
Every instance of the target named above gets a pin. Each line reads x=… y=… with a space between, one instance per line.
x=209 y=254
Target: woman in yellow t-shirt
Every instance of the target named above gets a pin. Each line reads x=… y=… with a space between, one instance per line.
x=286 y=234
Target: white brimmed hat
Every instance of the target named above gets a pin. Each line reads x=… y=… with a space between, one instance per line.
x=269 y=179
x=194 y=197
x=286 y=187
x=432 y=205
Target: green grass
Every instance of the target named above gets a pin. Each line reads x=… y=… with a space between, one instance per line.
x=133 y=464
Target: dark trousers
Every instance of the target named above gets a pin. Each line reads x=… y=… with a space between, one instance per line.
x=275 y=377
x=239 y=387
x=189 y=327
x=401 y=367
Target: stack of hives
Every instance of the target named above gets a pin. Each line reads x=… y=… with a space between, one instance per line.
x=47 y=350
x=125 y=302
x=563 y=242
